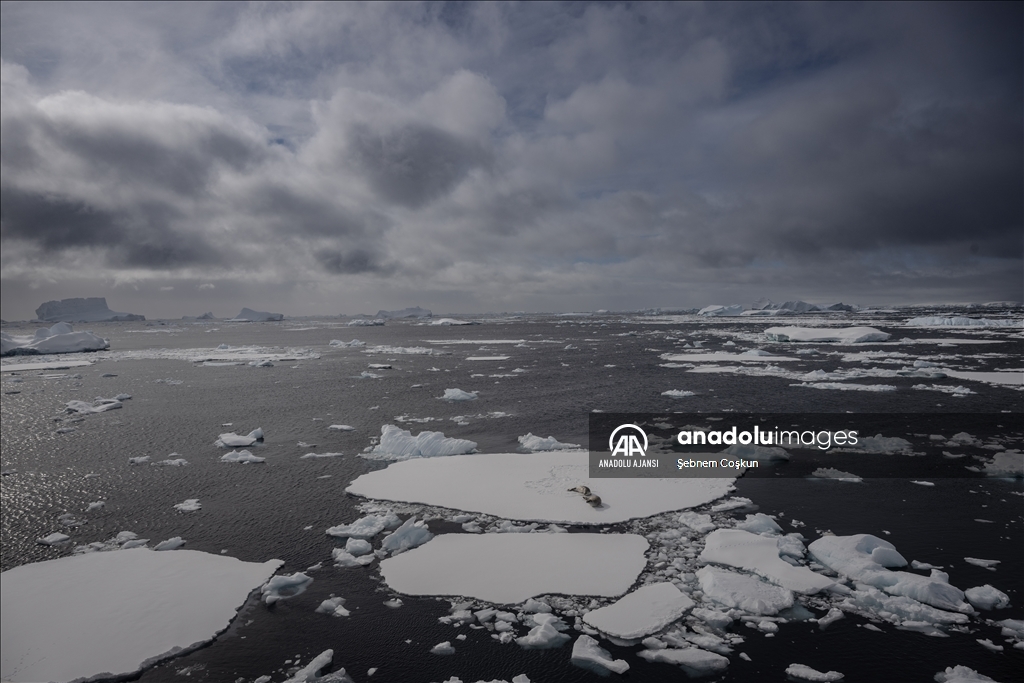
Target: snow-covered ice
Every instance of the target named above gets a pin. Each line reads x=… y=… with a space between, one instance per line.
x=588 y=654
x=646 y=610
x=545 y=634
x=760 y=554
x=839 y=335
x=838 y=475
x=365 y=527
x=459 y=395
x=80 y=616
x=100 y=405
x=399 y=444
x=509 y=568
x=961 y=674
x=333 y=606
x=410 y=535
x=987 y=597
x=962 y=321
x=693 y=660
x=533 y=487
x=803 y=672
x=60 y=338
x=232 y=440
x=190 y=505
x=678 y=393
x=535 y=444
x=283 y=587
x=243 y=457
x=740 y=591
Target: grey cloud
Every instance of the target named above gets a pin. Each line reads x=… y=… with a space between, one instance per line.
x=413 y=164
x=351 y=262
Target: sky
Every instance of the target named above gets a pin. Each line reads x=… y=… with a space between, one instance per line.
x=340 y=158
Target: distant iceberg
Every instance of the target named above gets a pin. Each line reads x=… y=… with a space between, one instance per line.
x=90 y=310
x=415 y=312
x=718 y=310
x=962 y=321
x=61 y=338
x=247 y=315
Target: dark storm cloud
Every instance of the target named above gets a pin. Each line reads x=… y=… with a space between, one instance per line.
x=519 y=155
x=414 y=164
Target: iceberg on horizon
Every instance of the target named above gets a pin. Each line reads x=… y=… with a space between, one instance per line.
x=247 y=315
x=414 y=312
x=78 y=310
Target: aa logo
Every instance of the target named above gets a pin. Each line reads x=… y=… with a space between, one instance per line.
x=628 y=440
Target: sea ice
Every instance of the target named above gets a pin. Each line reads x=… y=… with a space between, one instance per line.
x=834 y=615
x=962 y=321
x=842 y=335
x=111 y=613
x=646 y=610
x=172 y=543
x=232 y=440
x=838 y=475
x=702 y=524
x=342 y=428
x=534 y=487
x=100 y=405
x=535 y=443
x=805 y=673
x=190 y=505
x=510 y=568
x=678 y=393
x=444 y=648
x=247 y=315
x=56 y=538
x=760 y=554
x=333 y=606
x=693 y=660
x=244 y=457
x=987 y=597
x=364 y=527
x=962 y=674
x=459 y=395
x=61 y=338
x=283 y=587
x=399 y=444
x=588 y=654
x=411 y=534
x=546 y=634
x=743 y=592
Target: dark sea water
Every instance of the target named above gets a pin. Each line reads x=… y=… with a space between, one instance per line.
x=260 y=512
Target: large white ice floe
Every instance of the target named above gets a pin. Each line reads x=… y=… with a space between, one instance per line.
x=536 y=444
x=509 y=568
x=399 y=444
x=743 y=592
x=114 y=613
x=533 y=487
x=962 y=321
x=802 y=672
x=865 y=558
x=646 y=610
x=588 y=654
x=60 y=338
x=760 y=554
x=838 y=335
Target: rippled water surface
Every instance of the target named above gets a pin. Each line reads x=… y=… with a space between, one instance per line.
x=280 y=509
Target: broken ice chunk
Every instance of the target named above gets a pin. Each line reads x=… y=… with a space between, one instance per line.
x=805 y=673
x=588 y=654
x=644 y=611
x=283 y=587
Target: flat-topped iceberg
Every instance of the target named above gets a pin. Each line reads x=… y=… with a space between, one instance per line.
x=534 y=487
x=115 y=613
x=60 y=338
x=88 y=310
x=414 y=312
x=247 y=315
x=716 y=310
x=838 y=335
x=510 y=568
x=962 y=321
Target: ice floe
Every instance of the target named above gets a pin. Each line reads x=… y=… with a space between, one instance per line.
x=399 y=444
x=646 y=610
x=243 y=457
x=985 y=564
x=693 y=660
x=760 y=554
x=366 y=527
x=838 y=475
x=232 y=440
x=509 y=568
x=802 y=672
x=678 y=393
x=534 y=487
x=411 y=534
x=283 y=587
x=534 y=444
x=838 y=335
x=459 y=395
x=961 y=674
x=588 y=654
x=987 y=597
x=77 y=617
x=190 y=505
x=962 y=321
x=740 y=591
x=545 y=634
x=100 y=405
x=334 y=606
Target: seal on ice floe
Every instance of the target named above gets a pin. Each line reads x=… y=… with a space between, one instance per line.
x=581 y=489
x=591 y=498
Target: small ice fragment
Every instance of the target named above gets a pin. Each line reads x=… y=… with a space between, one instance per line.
x=588 y=654
x=55 y=538
x=987 y=564
x=190 y=505
x=283 y=587
x=805 y=673
x=138 y=460
x=170 y=544
x=444 y=648
x=95 y=506
x=834 y=615
x=961 y=674
x=244 y=457
x=987 y=597
x=333 y=607
x=922 y=483
x=459 y=395
x=342 y=428
x=394 y=603
x=989 y=645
